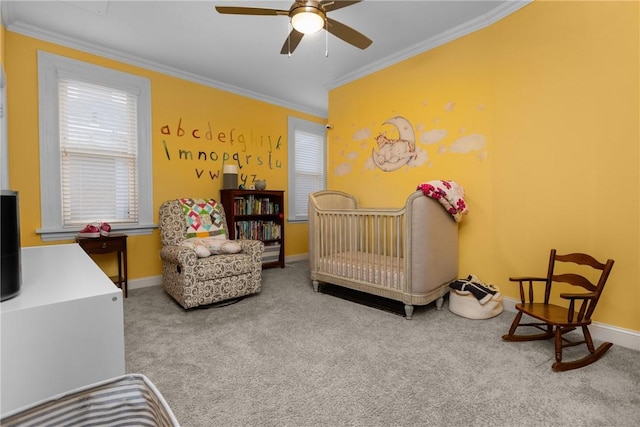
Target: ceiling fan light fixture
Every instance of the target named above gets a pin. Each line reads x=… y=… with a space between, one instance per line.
x=307 y=19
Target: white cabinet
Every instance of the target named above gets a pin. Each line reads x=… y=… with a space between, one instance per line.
x=64 y=330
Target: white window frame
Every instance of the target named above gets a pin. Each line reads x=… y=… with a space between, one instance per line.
x=4 y=148
x=311 y=127
x=49 y=68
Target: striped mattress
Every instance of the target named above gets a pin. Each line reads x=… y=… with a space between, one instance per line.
x=129 y=400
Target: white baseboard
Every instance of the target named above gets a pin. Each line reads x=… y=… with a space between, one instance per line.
x=145 y=282
x=599 y=331
x=297 y=257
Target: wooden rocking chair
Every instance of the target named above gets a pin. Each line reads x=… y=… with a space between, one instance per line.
x=555 y=320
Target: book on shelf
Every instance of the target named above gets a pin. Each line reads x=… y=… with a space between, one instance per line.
x=258 y=230
x=251 y=205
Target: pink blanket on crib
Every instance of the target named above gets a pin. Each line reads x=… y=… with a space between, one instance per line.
x=449 y=193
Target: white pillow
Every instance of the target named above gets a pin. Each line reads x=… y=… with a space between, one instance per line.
x=206 y=246
x=196 y=243
x=217 y=246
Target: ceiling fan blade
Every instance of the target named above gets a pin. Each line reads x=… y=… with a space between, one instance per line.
x=250 y=11
x=292 y=41
x=330 y=5
x=347 y=34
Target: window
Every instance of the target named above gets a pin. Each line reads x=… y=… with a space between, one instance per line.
x=95 y=148
x=306 y=165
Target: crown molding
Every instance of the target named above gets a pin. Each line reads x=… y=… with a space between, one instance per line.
x=48 y=36
x=462 y=30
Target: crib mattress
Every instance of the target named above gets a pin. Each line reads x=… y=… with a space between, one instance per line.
x=128 y=400
x=366 y=267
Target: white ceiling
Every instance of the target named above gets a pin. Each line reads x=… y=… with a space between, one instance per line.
x=241 y=54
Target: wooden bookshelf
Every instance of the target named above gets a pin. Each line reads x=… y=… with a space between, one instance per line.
x=257 y=215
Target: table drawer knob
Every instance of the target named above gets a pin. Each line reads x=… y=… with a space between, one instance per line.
x=104 y=245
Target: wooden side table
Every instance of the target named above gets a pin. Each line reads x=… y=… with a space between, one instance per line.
x=104 y=245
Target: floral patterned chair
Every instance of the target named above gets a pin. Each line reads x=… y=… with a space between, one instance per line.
x=194 y=279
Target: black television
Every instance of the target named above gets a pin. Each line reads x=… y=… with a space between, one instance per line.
x=10 y=265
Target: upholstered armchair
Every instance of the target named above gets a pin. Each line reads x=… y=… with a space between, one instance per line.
x=194 y=279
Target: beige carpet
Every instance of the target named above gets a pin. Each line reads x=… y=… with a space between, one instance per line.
x=292 y=357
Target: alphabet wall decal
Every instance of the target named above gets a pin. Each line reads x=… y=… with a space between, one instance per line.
x=211 y=148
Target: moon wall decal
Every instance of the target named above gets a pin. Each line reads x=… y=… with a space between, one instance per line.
x=389 y=166
x=404 y=127
x=392 y=154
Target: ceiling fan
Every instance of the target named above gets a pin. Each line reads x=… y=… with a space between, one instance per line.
x=307 y=17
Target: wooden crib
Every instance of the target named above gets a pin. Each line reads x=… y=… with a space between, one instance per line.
x=408 y=254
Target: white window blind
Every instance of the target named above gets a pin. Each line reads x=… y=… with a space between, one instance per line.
x=306 y=165
x=98 y=149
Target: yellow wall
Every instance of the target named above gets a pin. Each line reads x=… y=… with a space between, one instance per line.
x=229 y=127
x=537 y=116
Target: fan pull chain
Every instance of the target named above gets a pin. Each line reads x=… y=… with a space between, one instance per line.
x=290 y=28
x=326 y=41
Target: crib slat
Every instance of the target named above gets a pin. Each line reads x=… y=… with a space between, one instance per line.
x=360 y=245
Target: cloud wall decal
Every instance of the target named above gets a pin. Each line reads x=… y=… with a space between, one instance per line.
x=433 y=136
x=469 y=143
x=342 y=169
x=362 y=134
